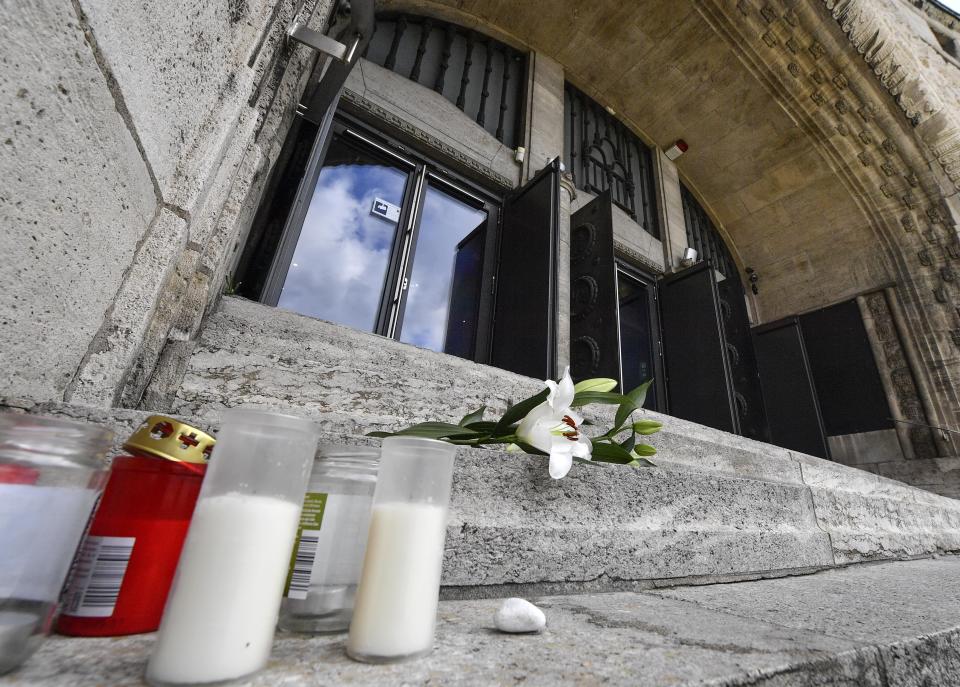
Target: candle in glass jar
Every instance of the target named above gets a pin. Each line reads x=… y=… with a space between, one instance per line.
x=396 y=606
x=220 y=617
x=234 y=563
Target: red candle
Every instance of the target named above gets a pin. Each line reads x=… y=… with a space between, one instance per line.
x=125 y=567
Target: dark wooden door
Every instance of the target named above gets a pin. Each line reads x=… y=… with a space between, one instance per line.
x=594 y=326
x=525 y=322
x=698 y=380
x=742 y=360
x=793 y=411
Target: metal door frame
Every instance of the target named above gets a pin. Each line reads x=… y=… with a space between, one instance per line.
x=421 y=169
x=656 y=336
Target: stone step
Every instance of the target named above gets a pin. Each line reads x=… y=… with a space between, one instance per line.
x=353 y=382
x=868 y=625
x=512 y=529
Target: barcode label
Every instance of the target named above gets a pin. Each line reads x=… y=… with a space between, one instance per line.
x=99 y=575
x=303 y=564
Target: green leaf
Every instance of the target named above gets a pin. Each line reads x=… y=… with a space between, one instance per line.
x=604 y=397
x=642 y=463
x=527 y=448
x=635 y=400
x=611 y=453
x=519 y=411
x=639 y=395
x=485 y=427
x=628 y=443
x=596 y=384
x=475 y=416
x=644 y=450
x=623 y=412
x=436 y=430
x=647 y=427
x=379 y=435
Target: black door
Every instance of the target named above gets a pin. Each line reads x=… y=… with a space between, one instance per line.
x=793 y=411
x=844 y=371
x=594 y=329
x=742 y=360
x=524 y=320
x=698 y=379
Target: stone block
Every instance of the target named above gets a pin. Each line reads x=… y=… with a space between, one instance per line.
x=843 y=627
x=422 y=111
x=75 y=202
x=868 y=604
x=103 y=372
x=186 y=71
x=880 y=446
x=545 y=119
x=511 y=524
x=938 y=475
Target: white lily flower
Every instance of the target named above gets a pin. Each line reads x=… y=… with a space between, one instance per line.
x=554 y=428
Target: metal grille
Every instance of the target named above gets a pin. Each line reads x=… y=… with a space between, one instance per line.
x=602 y=154
x=702 y=235
x=482 y=77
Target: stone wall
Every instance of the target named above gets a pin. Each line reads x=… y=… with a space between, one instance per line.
x=136 y=137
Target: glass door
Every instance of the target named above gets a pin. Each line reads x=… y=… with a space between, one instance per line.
x=390 y=244
x=639 y=334
x=442 y=297
x=345 y=246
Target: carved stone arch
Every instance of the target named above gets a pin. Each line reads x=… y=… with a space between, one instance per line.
x=818 y=140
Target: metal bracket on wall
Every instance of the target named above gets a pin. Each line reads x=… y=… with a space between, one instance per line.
x=323 y=43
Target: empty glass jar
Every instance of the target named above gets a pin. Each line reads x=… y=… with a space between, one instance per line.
x=322 y=581
x=51 y=471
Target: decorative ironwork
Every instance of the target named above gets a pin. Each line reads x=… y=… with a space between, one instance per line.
x=702 y=235
x=602 y=153
x=482 y=77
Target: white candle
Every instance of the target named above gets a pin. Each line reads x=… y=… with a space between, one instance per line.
x=220 y=616
x=396 y=606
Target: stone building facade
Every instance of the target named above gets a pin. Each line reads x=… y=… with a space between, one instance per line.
x=822 y=149
x=153 y=160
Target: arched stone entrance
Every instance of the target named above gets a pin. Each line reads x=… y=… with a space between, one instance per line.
x=815 y=141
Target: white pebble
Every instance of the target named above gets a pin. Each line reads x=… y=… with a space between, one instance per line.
x=519 y=615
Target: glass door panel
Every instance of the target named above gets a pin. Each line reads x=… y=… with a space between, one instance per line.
x=636 y=335
x=340 y=263
x=443 y=291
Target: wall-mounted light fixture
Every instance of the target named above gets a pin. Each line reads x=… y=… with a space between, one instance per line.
x=753 y=278
x=689 y=258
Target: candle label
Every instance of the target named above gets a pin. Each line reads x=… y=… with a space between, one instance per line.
x=305 y=546
x=98 y=577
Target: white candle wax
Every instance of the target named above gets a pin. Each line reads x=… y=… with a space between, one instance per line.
x=220 y=618
x=396 y=607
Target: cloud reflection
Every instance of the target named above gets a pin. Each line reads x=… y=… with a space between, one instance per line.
x=446 y=221
x=343 y=250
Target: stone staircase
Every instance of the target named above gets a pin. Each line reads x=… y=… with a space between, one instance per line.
x=648 y=576
x=718 y=506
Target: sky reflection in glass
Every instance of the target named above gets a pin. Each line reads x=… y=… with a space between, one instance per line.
x=340 y=262
x=446 y=221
